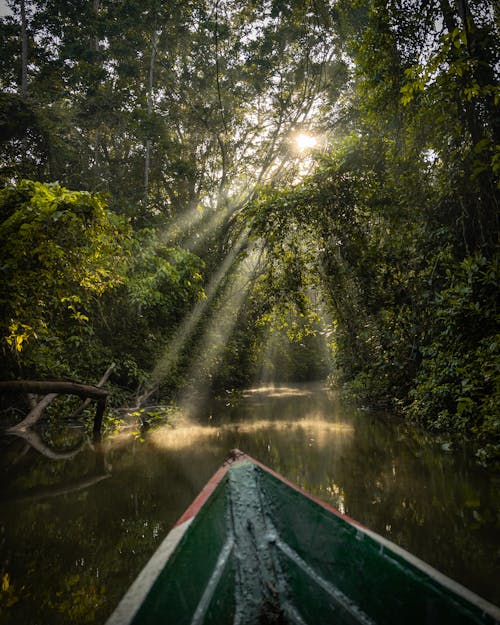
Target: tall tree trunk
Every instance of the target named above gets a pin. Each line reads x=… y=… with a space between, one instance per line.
x=94 y=43
x=94 y=46
x=221 y=137
x=150 y=110
x=479 y=219
x=24 y=51
x=448 y=15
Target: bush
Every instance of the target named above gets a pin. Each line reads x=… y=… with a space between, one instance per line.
x=61 y=251
x=457 y=388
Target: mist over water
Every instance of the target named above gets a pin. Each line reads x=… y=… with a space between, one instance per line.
x=74 y=532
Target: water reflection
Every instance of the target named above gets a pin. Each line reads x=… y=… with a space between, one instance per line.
x=266 y=392
x=74 y=532
x=314 y=431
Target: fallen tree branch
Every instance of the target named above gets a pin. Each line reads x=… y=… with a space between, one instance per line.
x=146 y=395
x=99 y=413
x=34 y=415
x=54 y=386
x=100 y=384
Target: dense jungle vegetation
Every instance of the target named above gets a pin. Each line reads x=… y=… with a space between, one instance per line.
x=211 y=193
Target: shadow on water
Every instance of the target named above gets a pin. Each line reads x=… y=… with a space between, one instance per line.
x=75 y=530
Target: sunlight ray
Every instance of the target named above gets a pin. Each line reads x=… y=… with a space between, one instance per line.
x=219 y=328
x=205 y=228
x=196 y=225
x=265 y=373
x=182 y=223
x=190 y=323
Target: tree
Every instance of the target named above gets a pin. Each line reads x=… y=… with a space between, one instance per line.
x=204 y=98
x=62 y=251
x=400 y=218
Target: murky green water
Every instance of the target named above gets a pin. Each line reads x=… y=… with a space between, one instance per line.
x=75 y=530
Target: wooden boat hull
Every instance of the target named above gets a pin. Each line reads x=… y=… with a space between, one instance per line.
x=255 y=549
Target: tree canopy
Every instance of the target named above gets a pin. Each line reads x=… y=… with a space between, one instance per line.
x=191 y=237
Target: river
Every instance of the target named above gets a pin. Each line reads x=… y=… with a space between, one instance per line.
x=77 y=527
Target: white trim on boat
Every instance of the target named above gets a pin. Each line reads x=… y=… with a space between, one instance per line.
x=134 y=597
x=484 y=605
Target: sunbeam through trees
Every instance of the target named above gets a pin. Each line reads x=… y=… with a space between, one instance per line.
x=207 y=192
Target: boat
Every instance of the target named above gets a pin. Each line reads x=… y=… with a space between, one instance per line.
x=255 y=549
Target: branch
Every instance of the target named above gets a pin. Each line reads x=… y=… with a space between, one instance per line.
x=217 y=68
x=69 y=388
x=34 y=415
x=100 y=384
x=54 y=388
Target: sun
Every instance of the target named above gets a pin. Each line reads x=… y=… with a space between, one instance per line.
x=305 y=142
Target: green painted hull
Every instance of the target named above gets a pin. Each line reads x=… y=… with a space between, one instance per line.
x=255 y=549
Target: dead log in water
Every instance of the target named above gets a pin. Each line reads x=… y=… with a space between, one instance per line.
x=100 y=384
x=35 y=414
x=54 y=388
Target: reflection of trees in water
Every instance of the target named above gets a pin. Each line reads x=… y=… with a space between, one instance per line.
x=396 y=481
x=74 y=554
x=406 y=489
x=35 y=440
x=71 y=557
x=29 y=476
x=392 y=477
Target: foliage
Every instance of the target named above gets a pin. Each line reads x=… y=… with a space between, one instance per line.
x=185 y=114
x=138 y=319
x=350 y=237
x=458 y=384
x=79 y=291
x=62 y=251
x=401 y=218
x=161 y=105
